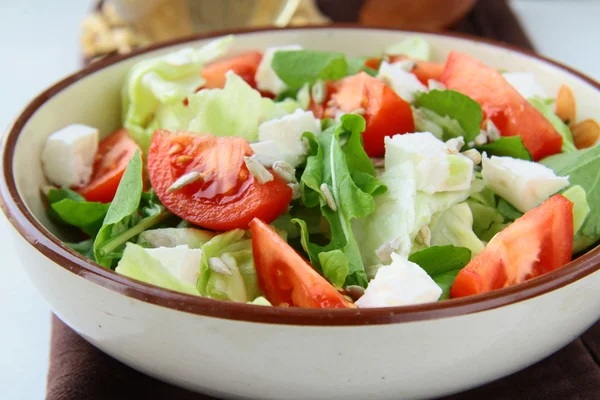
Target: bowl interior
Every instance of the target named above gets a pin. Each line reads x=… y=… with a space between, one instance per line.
x=94 y=98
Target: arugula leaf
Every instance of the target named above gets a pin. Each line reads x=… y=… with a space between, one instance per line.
x=455 y=105
x=507 y=210
x=329 y=164
x=123 y=222
x=583 y=169
x=56 y=195
x=442 y=263
x=548 y=112
x=297 y=67
x=70 y=208
x=85 y=248
x=85 y=215
x=507 y=147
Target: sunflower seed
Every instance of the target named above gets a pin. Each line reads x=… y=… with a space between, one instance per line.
x=185 y=180
x=295 y=186
x=285 y=171
x=258 y=170
x=318 y=92
x=384 y=252
x=454 y=145
x=328 y=196
x=474 y=155
x=424 y=236
x=355 y=291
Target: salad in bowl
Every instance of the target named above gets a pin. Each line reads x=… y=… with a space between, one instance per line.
x=298 y=178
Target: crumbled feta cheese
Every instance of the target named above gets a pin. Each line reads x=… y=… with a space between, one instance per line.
x=525 y=83
x=68 y=156
x=404 y=83
x=266 y=78
x=285 y=135
x=399 y=284
x=181 y=261
x=524 y=184
x=435 y=169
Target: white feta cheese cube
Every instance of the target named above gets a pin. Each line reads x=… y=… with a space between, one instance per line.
x=401 y=283
x=68 y=156
x=524 y=184
x=266 y=78
x=181 y=261
x=404 y=83
x=525 y=83
x=436 y=169
x=281 y=139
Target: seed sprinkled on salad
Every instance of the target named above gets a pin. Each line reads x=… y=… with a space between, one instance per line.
x=300 y=178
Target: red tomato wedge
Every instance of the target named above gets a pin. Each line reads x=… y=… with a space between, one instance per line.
x=424 y=70
x=285 y=277
x=114 y=152
x=225 y=194
x=244 y=65
x=501 y=103
x=538 y=242
x=386 y=113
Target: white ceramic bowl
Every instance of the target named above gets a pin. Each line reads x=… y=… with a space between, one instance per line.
x=243 y=351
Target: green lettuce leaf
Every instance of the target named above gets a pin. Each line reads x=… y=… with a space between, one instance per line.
x=581 y=208
x=442 y=263
x=548 y=112
x=329 y=164
x=454 y=105
x=455 y=227
x=583 y=169
x=507 y=147
x=166 y=79
x=136 y=263
x=235 y=252
x=235 y=110
x=412 y=47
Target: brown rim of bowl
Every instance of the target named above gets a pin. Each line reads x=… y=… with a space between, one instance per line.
x=46 y=243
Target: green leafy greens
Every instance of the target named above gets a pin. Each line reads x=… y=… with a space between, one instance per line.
x=341 y=180
x=442 y=263
x=455 y=105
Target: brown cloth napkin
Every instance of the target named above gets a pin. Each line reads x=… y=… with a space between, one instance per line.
x=80 y=371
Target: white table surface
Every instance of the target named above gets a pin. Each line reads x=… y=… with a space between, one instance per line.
x=39 y=44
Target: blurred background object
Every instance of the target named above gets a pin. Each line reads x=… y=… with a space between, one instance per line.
x=119 y=26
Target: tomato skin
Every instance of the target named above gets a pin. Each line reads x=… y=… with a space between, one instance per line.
x=244 y=65
x=228 y=197
x=386 y=113
x=285 y=277
x=424 y=70
x=502 y=104
x=538 y=242
x=114 y=152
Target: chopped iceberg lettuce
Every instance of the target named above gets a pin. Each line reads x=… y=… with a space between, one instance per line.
x=172 y=237
x=227 y=268
x=138 y=264
x=166 y=79
x=455 y=227
x=412 y=47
